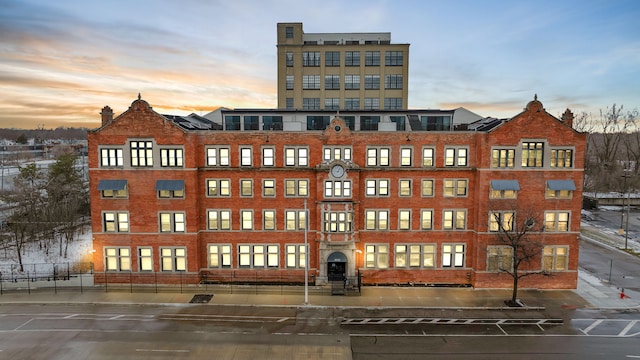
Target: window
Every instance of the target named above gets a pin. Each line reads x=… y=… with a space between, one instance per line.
x=378 y=156
x=453 y=255
x=141 y=153
x=111 y=157
x=232 y=122
x=393 y=58
x=145 y=259
x=376 y=219
x=406 y=155
x=352 y=104
x=554 y=258
x=296 y=187
x=372 y=58
x=115 y=221
x=352 y=82
x=504 y=189
x=289 y=59
x=372 y=104
x=268 y=156
x=454 y=219
x=296 y=156
x=330 y=153
x=394 y=104
x=332 y=58
x=168 y=189
x=561 y=158
x=503 y=158
x=331 y=103
x=352 y=58
x=268 y=220
x=289 y=103
x=311 y=58
x=415 y=255
x=426 y=219
x=427 y=187
x=393 y=81
x=219 y=256
x=372 y=82
x=117 y=259
x=376 y=256
x=311 y=82
x=113 y=188
x=559 y=189
x=455 y=187
x=274 y=122
x=173 y=259
x=400 y=121
x=219 y=219
x=171 y=157
x=288 y=32
x=436 y=123
x=499 y=258
x=246 y=156
x=404 y=219
x=556 y=221
x=332 y=82
x=317 y=122
x=311 y=103
x=295 y=219
x=218 y=156
x=172 y=222
x=268 y=188
x=455 y=157
x=246 y=220
x=428 y=157
x=501 y=220
x=246 y=187
x=337 y=188
x=404 y=187
x=218 y=187
x=289 y=82
x=532 y=154
x=296 y=256
x=258 y=256
x=377 y=187
x=338 y=221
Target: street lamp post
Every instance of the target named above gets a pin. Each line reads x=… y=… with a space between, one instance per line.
x=628 y=193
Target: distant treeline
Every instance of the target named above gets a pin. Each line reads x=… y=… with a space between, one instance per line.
x=61 y=133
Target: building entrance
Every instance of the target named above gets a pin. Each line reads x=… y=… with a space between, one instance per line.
x=336 y=266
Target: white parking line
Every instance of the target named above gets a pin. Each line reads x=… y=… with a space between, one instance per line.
x=163 y=350
x=590 y=327
x=627 y=328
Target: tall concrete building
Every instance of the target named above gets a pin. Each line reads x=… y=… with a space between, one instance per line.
x=336 y=71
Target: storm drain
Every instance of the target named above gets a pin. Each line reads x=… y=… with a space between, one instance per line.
x=201 y=299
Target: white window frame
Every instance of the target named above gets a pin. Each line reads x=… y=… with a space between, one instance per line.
x=454 y=219
x=246 y=155
x=145 y=259
x=453 y=255
x=171 y=157
x=221 y=218
x=177 y=222
x=406 y=156
x=553 y=221
x=141 y=152
x=337 y=221
x=414 y=256
x=330 y=153
x=426 y=219
x=428 y=156
x=505 y=217
x=337 y=188
x=117 y=258
x=405 y=188
x=376 y=256
x=268 y=156
x=378 y=156
x=219 y=256
x=295 y=256
x=377 y=187
x=456 y=156
x=119 y=219
x=173 y=259
x=555 y=157
x=499 y=258
x=535 y=161
x=268 y=186
x=553 y=260
x=404 y=219
x=221 y=190
x=455 y=187
x=295 y=220
x=296 y=156
x=503 y=157
x=376 y=219
x=424 y=187
x=243 y=184
x=111 y=157
x=258 y=256
x=269 y=219
x=296 y=187
x=218 y=156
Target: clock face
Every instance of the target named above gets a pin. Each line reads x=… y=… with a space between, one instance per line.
x=337 y=171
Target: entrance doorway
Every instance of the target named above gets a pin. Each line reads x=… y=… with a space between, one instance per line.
x=336 y=266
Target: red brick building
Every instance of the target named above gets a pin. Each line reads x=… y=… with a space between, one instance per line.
x=372 y=192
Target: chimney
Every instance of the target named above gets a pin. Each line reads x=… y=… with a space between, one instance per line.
x=567 y=118
x=107 y=115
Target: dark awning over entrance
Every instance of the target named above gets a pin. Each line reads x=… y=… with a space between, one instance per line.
x=112 y=185
x=337 y=257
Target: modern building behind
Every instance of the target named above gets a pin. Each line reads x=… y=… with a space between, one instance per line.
x=335 y=71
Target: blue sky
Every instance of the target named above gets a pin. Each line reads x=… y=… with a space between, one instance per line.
x=62 y=61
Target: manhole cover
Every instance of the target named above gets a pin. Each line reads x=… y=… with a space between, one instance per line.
x=201 y=299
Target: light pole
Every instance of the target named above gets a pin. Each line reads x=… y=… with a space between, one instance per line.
x=626 y=230
x=306 y=255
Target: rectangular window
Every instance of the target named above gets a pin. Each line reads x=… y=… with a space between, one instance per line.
x=331 y=103
x=559 y=189
x=338 y=221
x=352 y=82
x=311 y=103
x=556 y=221
x=258 y=256
x=296 y=156
x=393 y=58
x=289 y=59
x=372 y=58
x=288 y=32
x=532 y=154
x=117 y=259
x=268 y=220
x=219 y=256
x=219 y=187
x=141 y=153
x=504 y=189
x=337 y=188
x=171 y=157
x=394 y=104
x=296 y=187
x=371 y=104
x=219 y=219
x=145 y=259
x=296 y=256
x=555 y=258
x=332 y=58
x=246 y=220
x=172 y=222
x=501 y=221
x=352 y=58
x=289 y=82
x=426 y=219
x=246 y=187
x=295 y=219
x=173 y=259
x=171 y=194
x=113 y=188
x=455 y=187
x=376 y=219
x=503 y=158
x=455 y=157
x=372 y=82
x=415 y=255
x=268 y=156
x=393 y=81
x=561 y=158
x=115 y=221
x=232 y=122
x=311 y=82
x=404 y=187
x=332 y=82
x=454 y=219
x=427 y=187
x=330 y=153
x=111 y=157
x=289 y=103
x=406 y=157
x=377 y=187
x=376 y=256
x=378 y=156
x=352 y=103
x=404 y=219
x=311 y=58
x=218 y=156
x=246 y=156
x=400 y=121
x=499 y=258
x=428 y=157
x=453 y=255
x=268 y=188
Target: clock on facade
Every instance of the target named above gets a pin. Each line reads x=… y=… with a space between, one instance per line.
x=337 y=171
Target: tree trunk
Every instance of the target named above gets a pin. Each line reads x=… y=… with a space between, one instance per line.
x=514 y=295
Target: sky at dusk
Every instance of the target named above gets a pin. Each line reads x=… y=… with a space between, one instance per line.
x=62 y=61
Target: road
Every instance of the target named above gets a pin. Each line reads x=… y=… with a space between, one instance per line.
x=621 y=269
